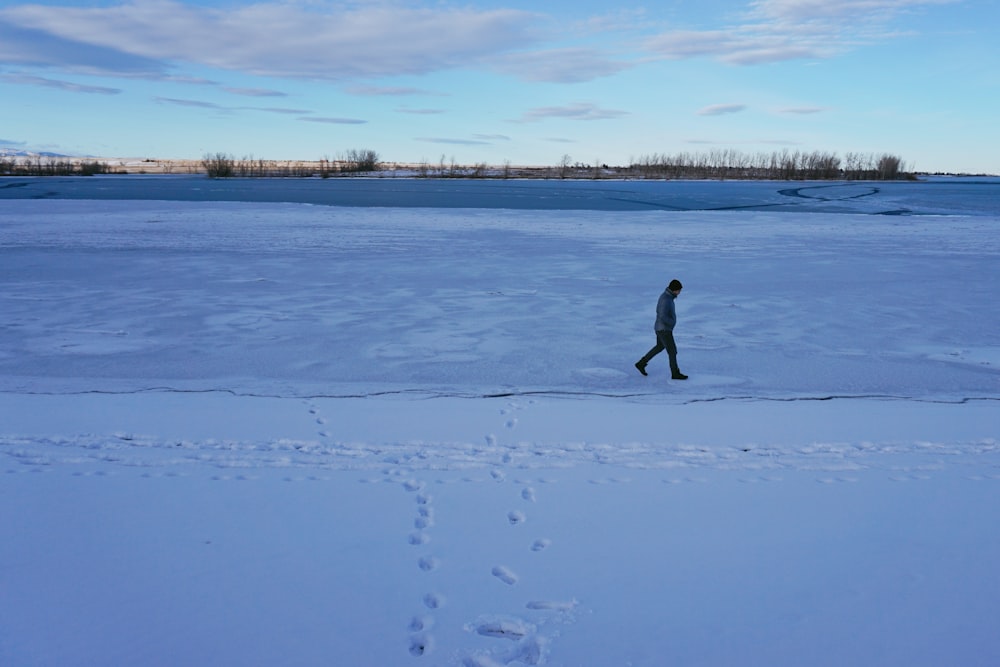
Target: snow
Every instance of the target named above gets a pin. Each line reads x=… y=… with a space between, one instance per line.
x=286 y=434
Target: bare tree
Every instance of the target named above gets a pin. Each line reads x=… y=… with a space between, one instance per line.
x=219 y=165
x=889 y=167
x=783 y=165
x=564 y=165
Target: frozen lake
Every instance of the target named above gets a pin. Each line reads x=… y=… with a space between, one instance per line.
x=237 y=427
x=931 y=196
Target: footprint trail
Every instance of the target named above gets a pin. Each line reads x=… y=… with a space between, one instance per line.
x=421 y=640
x=530 y=642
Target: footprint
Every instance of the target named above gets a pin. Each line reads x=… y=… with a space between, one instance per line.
x=433 y=600
x=511 y=423
x=498 y=475
x=420 y=623
x=541 y=544
x=420 y=644
x=516 y=517
x=412 y=485
x=480 y=661
x=505 y=575
x=428 y=563
x=528 y=494
x=552 y=605
x=531 y=651
x=507 y=628
x=417 y=539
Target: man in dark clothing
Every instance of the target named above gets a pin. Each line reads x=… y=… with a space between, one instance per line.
x=666 y=318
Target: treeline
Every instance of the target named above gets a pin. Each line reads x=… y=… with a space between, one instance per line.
x=224 y=165
x=782 y=165
x=779 y=165
x=44 y=166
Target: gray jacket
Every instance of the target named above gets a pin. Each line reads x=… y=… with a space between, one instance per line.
x=666 y=316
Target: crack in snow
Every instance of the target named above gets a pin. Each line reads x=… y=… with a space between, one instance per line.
x=429 y=394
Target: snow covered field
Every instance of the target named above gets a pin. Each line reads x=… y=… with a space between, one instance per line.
x=286 y=434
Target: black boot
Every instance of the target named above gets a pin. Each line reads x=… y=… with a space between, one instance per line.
x=641 y=367
x=678 y=376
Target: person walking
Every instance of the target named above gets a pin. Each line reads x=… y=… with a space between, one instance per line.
x=666 y=318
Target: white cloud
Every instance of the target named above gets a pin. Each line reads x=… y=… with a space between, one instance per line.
x=720 y=109
x=568 y=65
x=618 y=19
x=746 y=45
x=577 y=111
x=27 y=46
x=780 y=30
x=851 y=11
x=320 y=40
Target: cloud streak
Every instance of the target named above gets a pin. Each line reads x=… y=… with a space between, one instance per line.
x=333 y=121
x=457 y=142
x=802 y=111
x=254 y=92
x=780 y=30
x=196 y=104
x=387 y=91
x=721 y=109
x=68 y=86
x=212 y=106
x=577 y=111
x=420 y=112
x=568 y=65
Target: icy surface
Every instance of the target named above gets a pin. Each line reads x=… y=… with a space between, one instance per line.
x=276 y=433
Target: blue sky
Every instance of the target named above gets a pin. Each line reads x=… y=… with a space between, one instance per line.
x=495 y=81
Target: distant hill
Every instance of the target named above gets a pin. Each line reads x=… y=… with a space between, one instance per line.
x=15 y=152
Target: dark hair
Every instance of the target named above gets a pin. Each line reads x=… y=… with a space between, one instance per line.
x=675 y=285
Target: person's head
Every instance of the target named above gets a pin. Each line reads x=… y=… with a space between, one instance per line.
x=675 y=287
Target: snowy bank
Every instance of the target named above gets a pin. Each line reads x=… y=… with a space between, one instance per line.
x=284 y=434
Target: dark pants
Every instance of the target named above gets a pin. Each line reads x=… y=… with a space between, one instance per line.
x=664 y=341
